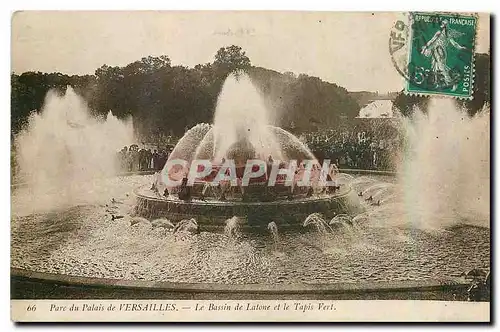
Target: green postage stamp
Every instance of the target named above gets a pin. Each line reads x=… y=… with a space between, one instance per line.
x=441 y=54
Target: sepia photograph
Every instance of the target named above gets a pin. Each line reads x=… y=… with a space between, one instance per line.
x=250 y=165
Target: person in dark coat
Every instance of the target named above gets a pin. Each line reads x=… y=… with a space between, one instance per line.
x=142 y=159
x=149 y=157
x=156 y=160
x=185 y=190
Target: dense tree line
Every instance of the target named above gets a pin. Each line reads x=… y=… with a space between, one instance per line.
x=304 y=103
x=167 y=99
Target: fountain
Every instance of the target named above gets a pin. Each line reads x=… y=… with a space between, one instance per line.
x=77 y=224
x=64 y=152
x=241 y=132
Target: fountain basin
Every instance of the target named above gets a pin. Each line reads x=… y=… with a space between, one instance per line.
x=81 y=252
x=28 y=284
x=213 y=214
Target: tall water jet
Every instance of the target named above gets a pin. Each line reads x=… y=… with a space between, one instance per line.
x=445 y=171
x=63 y=149
x=242 y=129
x=241 y=117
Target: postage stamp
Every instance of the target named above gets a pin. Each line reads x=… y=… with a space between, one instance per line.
x=440 y=53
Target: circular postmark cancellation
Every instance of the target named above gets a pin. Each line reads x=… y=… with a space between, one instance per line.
x=434 y=52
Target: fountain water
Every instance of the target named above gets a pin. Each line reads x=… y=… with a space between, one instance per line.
x=184 y=149
x=459 y=178
x=382 y=244
x=273 y=229
x=242 y=130
x=342 y=218
x=163 y=222
x=241 y=116
x=186 y=226
x=444 y=174
x=233 y=227
x=64 y=150
x=139 y=220
x=319 y=222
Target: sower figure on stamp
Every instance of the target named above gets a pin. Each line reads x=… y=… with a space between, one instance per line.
x=436 y=48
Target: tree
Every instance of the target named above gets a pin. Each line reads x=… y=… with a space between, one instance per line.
x=231 y=58
x=303 y=103
x=163 y=98
x=406 y=104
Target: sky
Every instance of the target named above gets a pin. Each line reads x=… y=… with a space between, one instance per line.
x=349 y=49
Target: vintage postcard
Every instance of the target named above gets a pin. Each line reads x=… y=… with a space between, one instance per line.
x=208 y=166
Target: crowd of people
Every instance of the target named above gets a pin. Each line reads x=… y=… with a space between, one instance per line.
x=360 y=150
x=134 y=159
x=354 y=148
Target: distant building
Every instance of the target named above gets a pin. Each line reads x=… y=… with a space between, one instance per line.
x=377 y=109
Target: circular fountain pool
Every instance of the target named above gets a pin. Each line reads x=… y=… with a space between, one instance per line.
x=430 y=223
x=213 y=214
x=84 y=240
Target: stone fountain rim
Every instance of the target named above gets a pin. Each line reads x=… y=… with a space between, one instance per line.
x=180 y=287
x=329 y=197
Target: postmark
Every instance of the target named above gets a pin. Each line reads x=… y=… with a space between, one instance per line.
x=434 y=52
